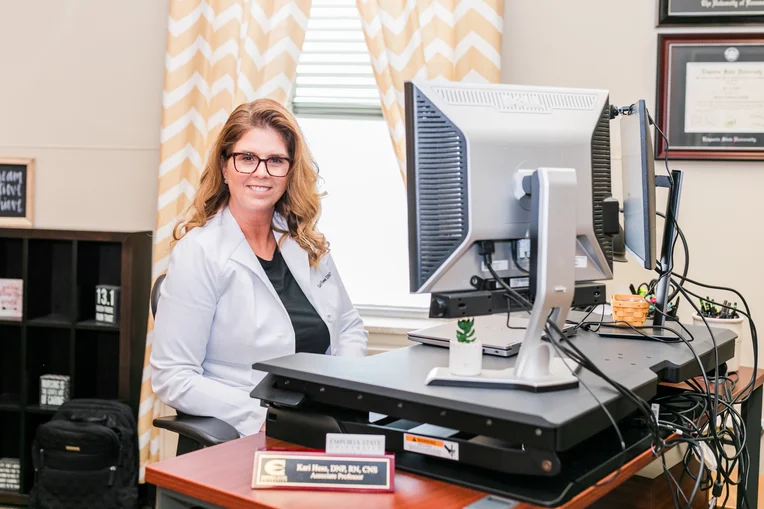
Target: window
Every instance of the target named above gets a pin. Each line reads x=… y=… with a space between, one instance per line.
x=334 y=73
x=364 y=215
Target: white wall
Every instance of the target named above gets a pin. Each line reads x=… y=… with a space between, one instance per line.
x=612 y=44
x=81 y=92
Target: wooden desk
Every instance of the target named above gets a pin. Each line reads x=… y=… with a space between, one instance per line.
x=220 y=477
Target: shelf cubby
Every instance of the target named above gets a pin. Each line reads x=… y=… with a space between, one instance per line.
x=31 y=422
x=49 y=280
x=98 y=263
x=11 y=258
x=48 y=353
x=10 y=367
x=10 y=443
x=10 y=434
x=93 y=348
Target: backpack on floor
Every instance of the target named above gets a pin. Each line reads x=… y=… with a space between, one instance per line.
x=86 y=456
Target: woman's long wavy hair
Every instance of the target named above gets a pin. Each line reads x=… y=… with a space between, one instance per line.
x=300 y=205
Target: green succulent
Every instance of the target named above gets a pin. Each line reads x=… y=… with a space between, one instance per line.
x=465 y=334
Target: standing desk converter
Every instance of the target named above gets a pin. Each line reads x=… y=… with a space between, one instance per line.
x=562 y=439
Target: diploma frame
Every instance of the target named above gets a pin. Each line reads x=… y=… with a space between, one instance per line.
x=669 y=15
x=671 y=95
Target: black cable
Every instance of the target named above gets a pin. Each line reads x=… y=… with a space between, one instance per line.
x=754 y=335
x=573 y=352
x=509 y=313
x=637 y=329
x=738 y=437
x=752 y=325
x=650 y=119
x=528 y=306
x=577 y=355
x=715 y=406
x=686 y=254
x=513 y=248
x=585 y=362
x=741 y=455
x=676 y=488
x=725 y=463
x=697 y=483
x=583 y=324
x=665 y=272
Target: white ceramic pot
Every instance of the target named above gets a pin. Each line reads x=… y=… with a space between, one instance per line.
x=735 y=325
x=465 y=359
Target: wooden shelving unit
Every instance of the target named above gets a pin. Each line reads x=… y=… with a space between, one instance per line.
x=58 y=333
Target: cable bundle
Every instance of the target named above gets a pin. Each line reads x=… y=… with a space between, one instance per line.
x=703 y=417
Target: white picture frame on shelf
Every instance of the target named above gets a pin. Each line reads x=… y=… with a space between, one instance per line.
x=11 y=298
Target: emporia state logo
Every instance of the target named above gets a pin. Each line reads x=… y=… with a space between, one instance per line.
x=276 y=468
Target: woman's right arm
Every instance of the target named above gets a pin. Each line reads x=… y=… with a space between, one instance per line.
x=181 y=331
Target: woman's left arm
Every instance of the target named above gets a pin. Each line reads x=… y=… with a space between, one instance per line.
x=353 y=337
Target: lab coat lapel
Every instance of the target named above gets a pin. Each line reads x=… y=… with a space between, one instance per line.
x=243 y=253
x=297 y=260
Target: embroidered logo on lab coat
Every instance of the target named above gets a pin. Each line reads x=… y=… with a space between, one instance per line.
x=326 y=278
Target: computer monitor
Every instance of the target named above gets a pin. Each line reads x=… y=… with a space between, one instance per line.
x=490 y=164
x=468 y=147
x=638 y=174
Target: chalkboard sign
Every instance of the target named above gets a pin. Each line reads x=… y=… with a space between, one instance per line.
x=16 y=192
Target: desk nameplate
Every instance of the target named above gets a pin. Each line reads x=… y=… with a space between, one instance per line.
x=321 y=471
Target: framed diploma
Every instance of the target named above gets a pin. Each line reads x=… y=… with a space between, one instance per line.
x=710 y=12
x=710 y=96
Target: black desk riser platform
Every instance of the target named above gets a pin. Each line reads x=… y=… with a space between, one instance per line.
x=540 y=447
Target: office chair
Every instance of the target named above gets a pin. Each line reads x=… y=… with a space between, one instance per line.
x=194 y=432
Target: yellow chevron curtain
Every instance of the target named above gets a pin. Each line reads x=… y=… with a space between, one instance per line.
x=454 y=40
x=220 y=53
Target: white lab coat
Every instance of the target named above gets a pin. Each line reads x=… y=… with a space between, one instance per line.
x=218 y=314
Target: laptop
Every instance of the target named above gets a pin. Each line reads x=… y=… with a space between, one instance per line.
x=492 y=330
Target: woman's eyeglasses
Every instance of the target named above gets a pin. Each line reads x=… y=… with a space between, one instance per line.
x=246 y=162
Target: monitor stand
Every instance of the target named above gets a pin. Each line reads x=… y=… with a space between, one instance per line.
x=660 y=329
x=552 y=284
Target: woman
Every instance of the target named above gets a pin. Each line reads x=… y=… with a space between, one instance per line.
x=250 y=277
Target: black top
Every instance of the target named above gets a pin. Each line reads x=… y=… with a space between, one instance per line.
x=311 y=333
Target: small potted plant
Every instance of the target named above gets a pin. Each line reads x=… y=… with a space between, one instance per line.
x=466 y=352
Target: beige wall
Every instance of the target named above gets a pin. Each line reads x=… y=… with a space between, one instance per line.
x=612 y=44
x=81 y=91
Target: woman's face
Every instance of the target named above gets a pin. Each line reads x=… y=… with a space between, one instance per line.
x=253 y=190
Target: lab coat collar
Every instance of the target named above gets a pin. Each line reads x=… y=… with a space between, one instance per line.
x=295 y=257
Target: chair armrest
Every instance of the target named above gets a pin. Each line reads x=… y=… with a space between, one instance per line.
x=207 y=431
